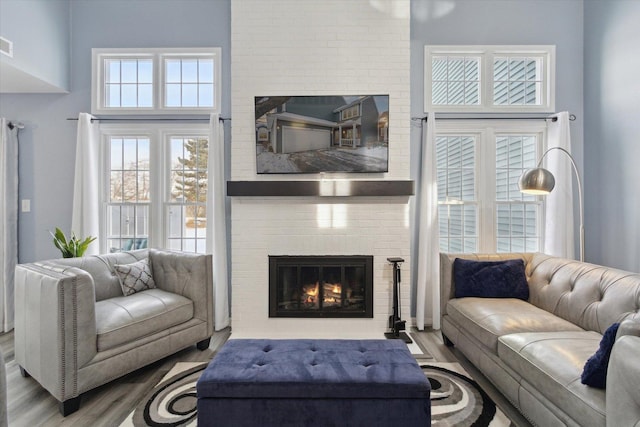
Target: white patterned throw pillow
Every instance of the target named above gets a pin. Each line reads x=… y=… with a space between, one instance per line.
x=135 y=277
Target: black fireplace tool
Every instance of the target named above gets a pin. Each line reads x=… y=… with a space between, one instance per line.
x=396 y=324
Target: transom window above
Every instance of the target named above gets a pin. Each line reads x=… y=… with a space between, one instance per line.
x=156 y=81
x=189 y=82
x=129 y=83
x=489 y=78
x=456 y=80
x=517 y=81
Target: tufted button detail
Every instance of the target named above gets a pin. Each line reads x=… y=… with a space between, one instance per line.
x=314 y=363
x=267 y=349
x=259 y=364
x=367 y=364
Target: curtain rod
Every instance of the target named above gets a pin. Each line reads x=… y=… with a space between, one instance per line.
x=152 y=119
x=554 y=118
x=18 y=125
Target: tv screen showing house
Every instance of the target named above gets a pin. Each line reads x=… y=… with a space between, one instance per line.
x=313 y=134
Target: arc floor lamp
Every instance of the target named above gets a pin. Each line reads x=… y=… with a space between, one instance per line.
x=540 y=181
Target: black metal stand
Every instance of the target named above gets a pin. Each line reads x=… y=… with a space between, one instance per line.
x=395 y=323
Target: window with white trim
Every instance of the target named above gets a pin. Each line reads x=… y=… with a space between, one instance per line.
x=186 y=203
x=457 y=198
x=351 y=112
x=480 y=208
x=154 y=186
x=156 y=81
x=517 y=214
x=455 y=80
x=129 y=191
x=489 y=78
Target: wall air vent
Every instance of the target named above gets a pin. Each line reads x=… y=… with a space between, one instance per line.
x=6 y=47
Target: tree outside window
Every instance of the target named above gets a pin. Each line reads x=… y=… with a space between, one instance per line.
x=189 y=178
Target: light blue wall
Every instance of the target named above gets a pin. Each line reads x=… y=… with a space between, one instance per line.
x=612 y=132
x=47 y=144
x=610 y=116
x=546 y=22
x=39 y=30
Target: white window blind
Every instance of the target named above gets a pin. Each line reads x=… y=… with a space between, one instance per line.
x=480 y=206
x=489 y=78
x=455 y=80
x=518 y=81
x=517 y=214
x=457 y=206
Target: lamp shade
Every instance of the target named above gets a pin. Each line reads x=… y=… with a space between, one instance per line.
x=537 y=181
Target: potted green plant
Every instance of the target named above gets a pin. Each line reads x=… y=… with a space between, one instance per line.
x=73 y=247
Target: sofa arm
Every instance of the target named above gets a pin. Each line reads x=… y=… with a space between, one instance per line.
x=623 y=377
x=55 y=324
x=628 y=327
x=189 y=275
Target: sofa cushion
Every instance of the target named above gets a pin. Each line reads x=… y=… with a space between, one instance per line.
x=595 y=370
x=121 y=320
x=487 y=319
x=135 y=277
x=552 y=363
x=591 y=296
x=490 y=279
x=100 y=267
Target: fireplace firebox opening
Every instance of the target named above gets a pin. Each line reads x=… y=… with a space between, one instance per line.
x=321 y=286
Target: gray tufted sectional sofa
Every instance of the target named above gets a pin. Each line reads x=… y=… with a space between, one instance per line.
x=534 y=352
x=74 y=329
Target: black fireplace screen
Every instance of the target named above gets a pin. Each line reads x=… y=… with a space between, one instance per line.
x=320 y=286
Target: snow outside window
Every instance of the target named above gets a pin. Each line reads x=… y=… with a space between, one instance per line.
x=155 y=187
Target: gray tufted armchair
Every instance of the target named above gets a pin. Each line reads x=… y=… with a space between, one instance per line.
x=74 y=329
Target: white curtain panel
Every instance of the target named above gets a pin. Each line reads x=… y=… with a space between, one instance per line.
x=558 y=231
x=85 y=216
x=428 y=283
x=217 y=223
x=8 y=220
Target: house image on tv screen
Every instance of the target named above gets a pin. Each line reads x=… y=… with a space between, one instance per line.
x=312 y=134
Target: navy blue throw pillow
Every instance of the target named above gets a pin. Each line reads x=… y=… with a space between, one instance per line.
x=490 y=279
x=595 y=370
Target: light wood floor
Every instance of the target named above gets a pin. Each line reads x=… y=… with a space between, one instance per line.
x=30 y=405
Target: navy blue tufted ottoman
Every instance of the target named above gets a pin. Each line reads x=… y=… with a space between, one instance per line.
x=313 y=383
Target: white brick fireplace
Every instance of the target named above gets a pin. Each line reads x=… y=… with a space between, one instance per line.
x=317 y=47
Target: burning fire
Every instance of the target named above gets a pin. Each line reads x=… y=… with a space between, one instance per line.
x=331 y=294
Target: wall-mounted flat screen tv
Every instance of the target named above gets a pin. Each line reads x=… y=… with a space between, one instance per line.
x=315 y=134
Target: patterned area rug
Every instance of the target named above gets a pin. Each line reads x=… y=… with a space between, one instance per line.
x=456 y=400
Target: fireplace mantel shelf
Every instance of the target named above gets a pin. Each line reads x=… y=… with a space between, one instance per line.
x=321 y=188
